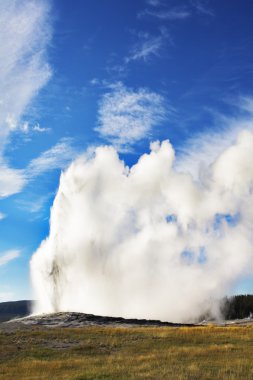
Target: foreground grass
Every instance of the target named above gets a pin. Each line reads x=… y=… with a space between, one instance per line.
x=127 y=353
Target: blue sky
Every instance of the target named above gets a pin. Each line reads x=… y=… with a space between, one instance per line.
x=79 y=74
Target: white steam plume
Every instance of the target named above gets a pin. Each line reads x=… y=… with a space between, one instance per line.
x=147 y=242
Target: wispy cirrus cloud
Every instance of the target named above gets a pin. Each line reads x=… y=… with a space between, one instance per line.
x=38 y=128
x=25 y=35
x=162 y=11
x=153 y=3
x=13 y=181
x=57 y=157
x=35 y=205
x=147 y=46
x=2 y=216
x=127 y=116
x=202 y=6
x=175 y=13
x=26 y=128
x=196 y=154
x=8 y=256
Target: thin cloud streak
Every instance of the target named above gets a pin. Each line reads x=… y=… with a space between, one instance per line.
x=161 y=11
x=8 y=256
x=176 y=13
x=34 y=206
x=202 y=6
x=2 y=216
x=58 y=157
x=13 y=181
x=26 y=128
x=153 y=3
x=147 y=47
x=198 y=152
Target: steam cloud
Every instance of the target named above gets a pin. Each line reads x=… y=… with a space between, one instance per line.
x=147 y=241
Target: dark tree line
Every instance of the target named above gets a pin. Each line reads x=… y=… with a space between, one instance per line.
x=237 y=307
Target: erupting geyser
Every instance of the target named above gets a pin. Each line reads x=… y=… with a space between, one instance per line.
x=147 y=242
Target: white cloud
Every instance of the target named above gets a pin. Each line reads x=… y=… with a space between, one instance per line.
x=153 y=3
x=163 y=12
x=176 y=13
x=26 y=128
x=147 y=46
x=202 y=6
x=2 y=216
x=58 y=157
x=12 y=181
x=146 y=49
x=34 y=206
x=25 y=34
x=8 y=256
x=95 y=82
x=38 y=128
x=11 y=122
x=246 y=104
x=127 y=116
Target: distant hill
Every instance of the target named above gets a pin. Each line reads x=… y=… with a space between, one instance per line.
x=14 y=309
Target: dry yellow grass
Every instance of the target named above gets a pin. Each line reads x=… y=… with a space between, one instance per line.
x=127 y=353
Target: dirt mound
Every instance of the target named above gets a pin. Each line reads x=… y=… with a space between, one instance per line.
x=71 y=319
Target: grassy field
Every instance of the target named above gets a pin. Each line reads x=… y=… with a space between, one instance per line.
x=127 y=353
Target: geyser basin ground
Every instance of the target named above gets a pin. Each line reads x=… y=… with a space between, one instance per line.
x=33 y=352
x=71 y=319
x=78 y=320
